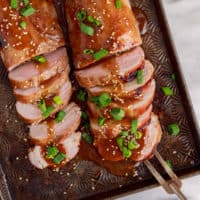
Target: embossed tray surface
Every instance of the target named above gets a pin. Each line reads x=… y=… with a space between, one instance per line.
x=82 y=179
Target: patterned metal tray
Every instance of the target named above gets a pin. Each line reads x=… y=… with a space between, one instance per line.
x=82 y=179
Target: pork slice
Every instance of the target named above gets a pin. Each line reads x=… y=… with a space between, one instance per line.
x=112 y=129
x=121 y=66
x=31 y=113
x=49 y=131
x=109 y=149
x=127 y=89
x=132 y=107
x=32 y=74
x=50 y=86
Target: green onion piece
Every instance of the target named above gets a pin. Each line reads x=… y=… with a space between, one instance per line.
x=168 y=162
x=124 y=133
x=102 y=101
x=173 y=76
x=48 y=111
x=81 y=96
x=84 y=115
x=90 y=19
x=87 y=125
x=88 y=30
x=117 y=113
x=40 y=59
x=59 y=158
x=97 y=22
x=126 y=152
x=101 y=121
x=133 y=145
x=88 y=138
x=139 y=76
x=52 y=152
x=174 y=129
x=25 y=2
x=14 y=4
x=118 y=4
x=88 y=51
x=138 y=135
x=120 y=142
x=23 y=24
x=134 y=126
x=100 y=54
x=57 y=100
x=60 y=116
x=28 y=11
x=81 y=15
x=167 y=91
x=42 y=105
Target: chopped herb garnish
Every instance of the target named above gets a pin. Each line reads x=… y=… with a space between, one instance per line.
x=168 y=162
x=14 y=4
x=87 y=125
x=88 y=30
x=124 y=133
x=120 y=142
x=133 y=145
x=138 y=135
x=59 y=158
x=126 y=152
x=134 y=126
x=101 y=121
x=40 y=59
x=81 y=96
x=101 y=101
x=42 y=105
x=57 y=100
x=84 y=115
x=94 y=21
x=25 y=2
x=23 y=24
x=28 y=11
x=88 y=138
x=81 y=15
x=167 y=91
x=173 y=129
x=88 y=51
x=90 y=19
x=173 y=76
x=52 y=152
x=139 y=76
x=48 y=111
x=117 y=113
x=100 y=54
x=60 y=116
x=118 y=4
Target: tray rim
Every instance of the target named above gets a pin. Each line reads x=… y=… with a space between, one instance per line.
x=169 y=42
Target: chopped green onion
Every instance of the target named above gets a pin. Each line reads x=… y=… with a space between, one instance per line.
x=174 y=129
x=84 y=115
x=81 y=15
x=14 y=4
x=57 y=100
x=124 y=133
x=120 y=142
x=167 y=91
x=60 y=116
x=88 y=30
x=100 y=54
x=101 y=121
x=139 y=76
x=52 y=152
x=81 y=96
x=26 y=12
x=118 y=4
x=168 y=162
x=126 y=152
x=25 y=2
x=117 y=113
x=23 y=24
x=93 y=20
x=97 y=22
x=48 y=111
x=40 y=59
x=134 y=126
x=102 y=101
x=59 y=158
x=88 y=138
x=42 y=105
x=133 y=145
x=87 y=125
x=88 y=51
x=173 y=76
x=138 y=135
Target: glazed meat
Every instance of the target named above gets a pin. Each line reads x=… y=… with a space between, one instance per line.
x=33 y=74
x=100 y=27
x=31 y=112
x=120 y=67
x=26 y=34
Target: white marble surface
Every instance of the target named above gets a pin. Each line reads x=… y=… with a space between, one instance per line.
x=184 y=20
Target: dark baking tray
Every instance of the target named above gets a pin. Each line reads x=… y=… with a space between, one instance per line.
x=82 y=179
